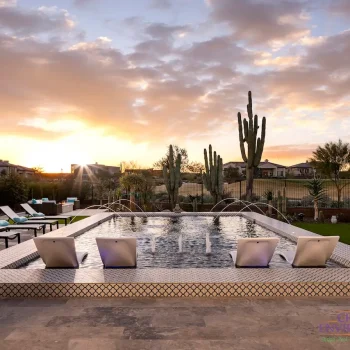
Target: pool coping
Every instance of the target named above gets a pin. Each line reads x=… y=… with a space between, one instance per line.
x=161 y=282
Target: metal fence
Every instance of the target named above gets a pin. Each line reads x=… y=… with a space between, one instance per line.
x=296 y=193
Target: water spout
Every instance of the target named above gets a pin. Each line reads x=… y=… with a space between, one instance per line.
x=153 y=244
x=180 y=243
x=207 y=244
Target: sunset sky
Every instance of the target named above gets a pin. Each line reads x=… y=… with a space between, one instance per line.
x=107 y=81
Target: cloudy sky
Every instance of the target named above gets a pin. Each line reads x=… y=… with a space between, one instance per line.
x=108 y=81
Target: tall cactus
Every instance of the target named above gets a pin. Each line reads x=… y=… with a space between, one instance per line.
x=172 y=177
x=248 y=132
x=213 y=176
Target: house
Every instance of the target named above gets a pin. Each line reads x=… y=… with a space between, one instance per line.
x=269 y=169
x=265 y=169
x=7 y=168
x=301 y=170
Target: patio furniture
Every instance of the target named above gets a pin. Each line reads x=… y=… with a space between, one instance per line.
x=35 y=215
x=117 y=252
x=59 y=252
x=311 y=251
x=24 y=221
x=254 y=252
x=10 y=235
x=67 y=207
x=75 y=201
x=33 y=227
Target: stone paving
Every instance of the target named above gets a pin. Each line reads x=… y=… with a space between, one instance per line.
x=155 y=324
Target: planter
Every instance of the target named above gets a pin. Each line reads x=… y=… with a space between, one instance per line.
x=334 y=219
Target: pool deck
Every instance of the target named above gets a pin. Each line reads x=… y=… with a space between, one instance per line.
x=171 y=324
x=169 y=282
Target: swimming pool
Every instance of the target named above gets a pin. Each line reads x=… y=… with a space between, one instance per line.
x=223 y=234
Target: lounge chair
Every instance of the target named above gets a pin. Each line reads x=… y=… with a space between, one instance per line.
x=117 y=252
x=254 y=252
x=59 y=252
x=21 y=220
x=10 y=236
x=34 y=227
x=311 y=251
x=40 y=216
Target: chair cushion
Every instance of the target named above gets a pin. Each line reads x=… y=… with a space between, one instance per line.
x=20 y=219
x=3 y=223
x=38 y=214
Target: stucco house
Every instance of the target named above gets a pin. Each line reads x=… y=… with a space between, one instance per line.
x=7 y=168
x=301 y=170
x=265 y=169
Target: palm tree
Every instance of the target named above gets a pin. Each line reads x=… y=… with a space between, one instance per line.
x=133 y=182
x=330 y=160
x=317 y=192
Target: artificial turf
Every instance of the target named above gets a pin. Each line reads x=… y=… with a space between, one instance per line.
x=326 y=229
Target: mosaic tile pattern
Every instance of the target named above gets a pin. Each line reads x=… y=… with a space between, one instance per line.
x=128 y=290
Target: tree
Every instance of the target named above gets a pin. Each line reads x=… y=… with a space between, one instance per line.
x=317 y=191
x=330 y=160
x=133 y=182
x=195 y=167
x=231 y=174
x=13 y=189
x=176 y=151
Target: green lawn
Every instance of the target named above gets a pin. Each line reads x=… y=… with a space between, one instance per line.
x=77 y=218
x=339 y=229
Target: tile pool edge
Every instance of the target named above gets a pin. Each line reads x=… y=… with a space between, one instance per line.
x=171 y=282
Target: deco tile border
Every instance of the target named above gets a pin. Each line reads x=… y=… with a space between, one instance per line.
x=165 y=290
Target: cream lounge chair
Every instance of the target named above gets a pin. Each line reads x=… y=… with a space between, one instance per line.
x=254 y=252
x=59 y=252
x=117 y=252
x=21 y=220
x=311 y=251
x=39 y=216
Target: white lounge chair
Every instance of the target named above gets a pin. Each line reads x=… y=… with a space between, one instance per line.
x=254 y=252
x=59 y=252
x=117 y=252
x=311 y=251
x=34 y=215
x=22 y=220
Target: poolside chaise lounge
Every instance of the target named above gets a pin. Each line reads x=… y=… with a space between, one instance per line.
x=35 y=215
x=21 y=220
x=311 y=251
x=59 y=252
x=117 y=252
x=34 y=227
x=6 y=236
x=254 y=252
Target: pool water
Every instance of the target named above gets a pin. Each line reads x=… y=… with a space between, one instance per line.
x=223 y=233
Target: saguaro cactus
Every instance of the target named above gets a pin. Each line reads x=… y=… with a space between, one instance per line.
x=248 y=132
x=172 y=177
x=213 y=176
